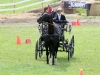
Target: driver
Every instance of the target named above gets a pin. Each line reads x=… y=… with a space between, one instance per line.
x=51 y=11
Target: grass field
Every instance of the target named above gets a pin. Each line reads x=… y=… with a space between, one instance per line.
x=20 y=59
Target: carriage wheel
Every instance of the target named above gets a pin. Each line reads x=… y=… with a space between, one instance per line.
x=63 y=41
x=72 y=46
x=40 y=52
x=67 y=47
x=68 y=54
x=41 y=49
x=69 y=50
x=36 y=50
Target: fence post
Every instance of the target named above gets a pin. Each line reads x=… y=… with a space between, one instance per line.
x=42 y=5
x=14 y=8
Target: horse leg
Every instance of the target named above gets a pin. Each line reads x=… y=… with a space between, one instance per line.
x=56 y=50
x=53 y=60
x=53 y=56
x=47 y=54
x=50 y=60
x=50 y=51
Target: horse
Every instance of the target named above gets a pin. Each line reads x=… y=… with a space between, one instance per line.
x=51 y=39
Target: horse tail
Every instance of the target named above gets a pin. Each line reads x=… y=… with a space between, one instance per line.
x=51 y=39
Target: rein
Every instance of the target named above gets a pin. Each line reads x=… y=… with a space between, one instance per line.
x=48 y=23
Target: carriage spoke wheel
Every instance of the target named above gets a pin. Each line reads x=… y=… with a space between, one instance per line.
x=41 y=46
x=72 y=45
x=63 y=41
x=36 y=50
x=67 y=47
x=68 y=54
x=71 y=48
x=40 y=52
x=40 y=55
x=69 y=51
x=40 y=49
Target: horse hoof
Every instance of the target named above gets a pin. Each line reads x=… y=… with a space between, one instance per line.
x=50 y=60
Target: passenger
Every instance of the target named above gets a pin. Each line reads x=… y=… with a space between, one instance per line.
x=59 y=21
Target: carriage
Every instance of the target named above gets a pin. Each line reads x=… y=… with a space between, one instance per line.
x=63 y=45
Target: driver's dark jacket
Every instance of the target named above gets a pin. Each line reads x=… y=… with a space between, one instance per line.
x=62 y=19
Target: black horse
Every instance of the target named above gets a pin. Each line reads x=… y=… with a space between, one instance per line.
x=51 y=39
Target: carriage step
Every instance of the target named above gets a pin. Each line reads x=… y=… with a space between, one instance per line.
x=64 y=29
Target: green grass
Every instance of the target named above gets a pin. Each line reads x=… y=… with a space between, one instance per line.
x=20 y=59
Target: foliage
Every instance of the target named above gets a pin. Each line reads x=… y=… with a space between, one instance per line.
x=81 y=10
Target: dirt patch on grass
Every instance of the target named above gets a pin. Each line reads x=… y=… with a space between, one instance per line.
x=18 y=18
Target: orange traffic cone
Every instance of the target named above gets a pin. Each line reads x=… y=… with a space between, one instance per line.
x=78 y=22
x=28 y=41
x=18 y=42
x=81 y=72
